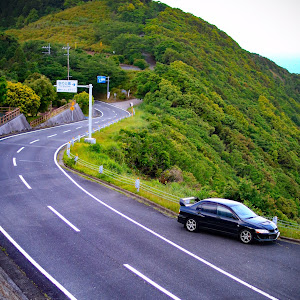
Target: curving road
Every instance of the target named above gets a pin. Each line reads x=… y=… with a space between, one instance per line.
x=92 y=242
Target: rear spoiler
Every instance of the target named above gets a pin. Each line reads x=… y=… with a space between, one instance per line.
x=189 y=200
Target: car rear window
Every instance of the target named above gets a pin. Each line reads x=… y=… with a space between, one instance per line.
x=209 y=208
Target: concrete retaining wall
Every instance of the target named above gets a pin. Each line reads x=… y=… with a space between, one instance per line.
x=65 y=117
x=15 y=125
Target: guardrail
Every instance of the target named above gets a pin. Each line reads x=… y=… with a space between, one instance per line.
x=9 y=113
x=51 y=114
x=142 y=186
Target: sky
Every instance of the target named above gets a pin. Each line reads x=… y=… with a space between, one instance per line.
x=270 y=28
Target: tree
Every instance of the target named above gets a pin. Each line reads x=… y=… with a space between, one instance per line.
x=43 y=88
x=83 y=101
x=32 y=16
x=22 y=96
x=3 y=90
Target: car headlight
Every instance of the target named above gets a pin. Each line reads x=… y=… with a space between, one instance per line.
x=262 y=231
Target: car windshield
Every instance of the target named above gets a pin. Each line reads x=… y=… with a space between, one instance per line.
x=243 y=211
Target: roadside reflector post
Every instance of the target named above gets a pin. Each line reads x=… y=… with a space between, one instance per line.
x=101 y=169
x=137 y=185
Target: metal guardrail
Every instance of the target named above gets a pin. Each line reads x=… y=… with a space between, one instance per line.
x=51 y=114
x=142 y=186
x=9 y=113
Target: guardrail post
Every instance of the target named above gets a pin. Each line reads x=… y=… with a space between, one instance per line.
x=76 y=158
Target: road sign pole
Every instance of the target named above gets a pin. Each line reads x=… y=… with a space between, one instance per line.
x=90 y=109
x=107 y=87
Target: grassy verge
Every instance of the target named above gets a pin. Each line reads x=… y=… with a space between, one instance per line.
x=108 y=152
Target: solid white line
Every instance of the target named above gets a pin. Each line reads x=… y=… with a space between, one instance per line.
x=20 y=149
x=24 y=181
x=64 y=219
x=14 y=162
x=161 y=237
x=151 y=282
x=52 y=135
x=35 y=264
x=66 y=131
x=34 y=141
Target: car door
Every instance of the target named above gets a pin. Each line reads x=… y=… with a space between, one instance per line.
x=227 y=221
x=207 y=215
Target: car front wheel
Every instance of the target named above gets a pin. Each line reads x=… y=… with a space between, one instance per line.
x=191 y=225
x=246 y=236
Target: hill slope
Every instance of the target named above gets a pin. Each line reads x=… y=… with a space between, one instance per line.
x=226 y=118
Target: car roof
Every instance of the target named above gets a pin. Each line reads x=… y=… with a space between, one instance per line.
x=222 y=201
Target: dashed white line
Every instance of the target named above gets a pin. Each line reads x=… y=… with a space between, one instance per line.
x=79 y=127
x=97 y=122
x=49 y=136
x=34 y=141
x=66 y=131
x=151 y=282
x=64 y=219
x=14 y=162
x=20 y=149
x=34 y=263
x=24 y=181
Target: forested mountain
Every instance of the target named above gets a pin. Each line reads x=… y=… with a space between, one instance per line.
x=227 y=119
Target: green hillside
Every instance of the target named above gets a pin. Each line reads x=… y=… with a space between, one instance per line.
x=226 y=119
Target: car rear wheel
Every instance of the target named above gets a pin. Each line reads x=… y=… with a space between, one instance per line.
x=246 y=236
x=191 y=225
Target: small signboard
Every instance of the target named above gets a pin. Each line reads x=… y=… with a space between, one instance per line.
x=66 y=86
x=101 y=79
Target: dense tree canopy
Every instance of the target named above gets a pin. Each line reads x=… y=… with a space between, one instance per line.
x=22 y=96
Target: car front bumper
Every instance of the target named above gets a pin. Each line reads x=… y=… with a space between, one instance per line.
x=264 y=237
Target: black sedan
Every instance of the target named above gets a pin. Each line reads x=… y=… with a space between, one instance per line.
x=226 y=216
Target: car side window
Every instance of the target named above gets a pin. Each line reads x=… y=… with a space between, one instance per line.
x=208 y=208
x=225 y=212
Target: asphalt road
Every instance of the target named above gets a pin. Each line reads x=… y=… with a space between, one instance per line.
x=92 y=242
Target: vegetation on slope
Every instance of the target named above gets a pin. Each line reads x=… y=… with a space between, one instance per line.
x=226 y=117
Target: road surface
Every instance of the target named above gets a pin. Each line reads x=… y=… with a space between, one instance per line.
x=95 y=243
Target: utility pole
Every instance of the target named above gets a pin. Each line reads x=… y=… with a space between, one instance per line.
x=68 y=58
x=48 y=48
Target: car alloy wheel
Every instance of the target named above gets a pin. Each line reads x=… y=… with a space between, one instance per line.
x=246 y=236
x=191 y=225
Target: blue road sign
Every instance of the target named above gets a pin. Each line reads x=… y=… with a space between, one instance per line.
x=101 y=79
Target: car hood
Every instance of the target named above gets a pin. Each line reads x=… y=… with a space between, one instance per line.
x=261 y=222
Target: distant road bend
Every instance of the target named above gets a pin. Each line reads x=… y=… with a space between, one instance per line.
x=92 y=242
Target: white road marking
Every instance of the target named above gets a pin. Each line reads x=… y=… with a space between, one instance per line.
x=34 y=141
x=36 y=265
x=14 y=162
x=20 y=149
x=64 y=219
x=97 y=122
x=66 y=131
x=163 y=238
x=24 y=181
x=79 y=127
x=151 y=282
x=49 y=136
